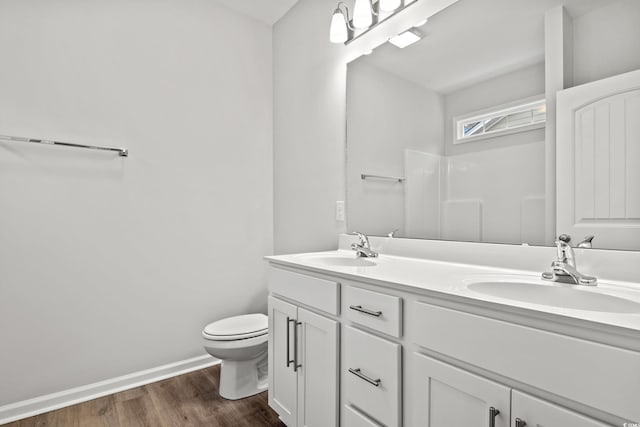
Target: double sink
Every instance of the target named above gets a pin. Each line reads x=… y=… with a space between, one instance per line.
x=522 y=288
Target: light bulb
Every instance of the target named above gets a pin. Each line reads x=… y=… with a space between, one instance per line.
x=362 y=17
x=338 y=30
x=389 y=5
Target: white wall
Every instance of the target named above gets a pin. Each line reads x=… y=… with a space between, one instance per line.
x=112 y=265
x=387 y=115
x=606 y=41
x=309 y=128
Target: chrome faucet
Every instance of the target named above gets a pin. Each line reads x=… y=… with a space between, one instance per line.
x=363 y=249
x=563 y=269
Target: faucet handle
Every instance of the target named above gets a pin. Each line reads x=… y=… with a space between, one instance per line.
x=565 y=251
x=586 y=243
x=364 y=240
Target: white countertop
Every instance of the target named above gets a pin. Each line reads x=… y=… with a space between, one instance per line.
x=452 y=279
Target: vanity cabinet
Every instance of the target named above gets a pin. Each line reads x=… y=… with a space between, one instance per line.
x=350 y=352
x=449 y=396
x=303 y=356
x=446 y=396
x=530 y=411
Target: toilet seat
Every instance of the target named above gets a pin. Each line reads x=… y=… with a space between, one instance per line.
x=237 y=328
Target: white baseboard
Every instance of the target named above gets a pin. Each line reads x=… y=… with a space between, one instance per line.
x=49 y=402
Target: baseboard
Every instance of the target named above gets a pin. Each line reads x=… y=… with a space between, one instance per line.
x=50 y=402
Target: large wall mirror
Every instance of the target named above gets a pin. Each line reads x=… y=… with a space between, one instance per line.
x=446 y=137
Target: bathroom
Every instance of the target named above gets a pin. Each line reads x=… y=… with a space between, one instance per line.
x=110 y=266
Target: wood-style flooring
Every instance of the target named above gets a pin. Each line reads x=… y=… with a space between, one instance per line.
x=187 y=400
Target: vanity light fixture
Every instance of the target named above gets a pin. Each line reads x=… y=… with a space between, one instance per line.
x=366 y=15
x=363 y=14
x=340 y=26
x=406 y=38
x=389 y=5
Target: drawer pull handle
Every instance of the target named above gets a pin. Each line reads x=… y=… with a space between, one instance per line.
x=493 y=413
x=362 y=376
x=365 y=311
x=520 y=423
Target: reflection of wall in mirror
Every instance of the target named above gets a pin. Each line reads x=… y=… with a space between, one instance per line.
x=605 y=41
x=494 y=187
x=386 y=116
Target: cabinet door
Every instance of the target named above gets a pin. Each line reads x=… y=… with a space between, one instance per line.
x=318 y=375
x=534 y=412
x=446 y=396
x=283 y=385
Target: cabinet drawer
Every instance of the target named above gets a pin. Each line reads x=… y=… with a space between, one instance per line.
x=312 y=291
x=377 y=311
x=371 y=375
x=594 y=374
x=353 y=418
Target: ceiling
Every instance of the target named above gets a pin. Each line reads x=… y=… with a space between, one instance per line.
x=267 y=11
x=474 y=40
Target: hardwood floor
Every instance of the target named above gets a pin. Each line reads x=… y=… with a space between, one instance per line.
x=188 y=400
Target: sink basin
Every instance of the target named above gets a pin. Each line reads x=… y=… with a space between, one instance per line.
x=337 y=260
x=555 y=295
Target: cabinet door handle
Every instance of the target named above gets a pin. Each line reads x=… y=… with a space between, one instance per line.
x=493 y=413
x=520 y=423
x=362 y=376
x=296 y=365
x=289 y=361
x=365 y=311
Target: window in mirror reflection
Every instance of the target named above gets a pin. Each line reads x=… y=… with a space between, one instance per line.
x=520 y=117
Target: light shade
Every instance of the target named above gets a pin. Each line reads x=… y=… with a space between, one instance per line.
x=362 y=14
x=338 y=32
x=389 y=5
x=407 y=38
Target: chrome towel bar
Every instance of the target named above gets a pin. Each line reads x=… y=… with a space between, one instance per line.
x=122 y=152
x=388 y=178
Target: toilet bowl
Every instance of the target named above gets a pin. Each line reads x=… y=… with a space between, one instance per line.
x=240 y=342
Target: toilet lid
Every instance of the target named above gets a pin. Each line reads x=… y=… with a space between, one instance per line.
x=238 y=327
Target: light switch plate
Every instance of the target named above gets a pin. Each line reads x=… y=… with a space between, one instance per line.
x=339 y=210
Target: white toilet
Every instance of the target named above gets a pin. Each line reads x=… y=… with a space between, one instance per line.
x=241 y=344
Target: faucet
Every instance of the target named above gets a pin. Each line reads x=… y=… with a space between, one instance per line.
x=563 y=269
x=363 y=249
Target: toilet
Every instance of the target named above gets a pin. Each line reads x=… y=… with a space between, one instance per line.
x=240 y=342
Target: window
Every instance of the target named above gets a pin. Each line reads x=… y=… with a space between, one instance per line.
x=521 y=116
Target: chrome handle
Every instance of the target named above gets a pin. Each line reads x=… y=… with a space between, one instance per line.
x=365 y=311
x=493 y=413
x=586 y=243
x=289 y=320
x=362 y=376
x=295 y=346
x=520 y=423
x=364 y=239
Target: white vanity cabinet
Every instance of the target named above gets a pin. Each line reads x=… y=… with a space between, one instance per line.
x=303 y=358
x=446 y=396
x=449 y=396
x=530 y=411
x=352 y=352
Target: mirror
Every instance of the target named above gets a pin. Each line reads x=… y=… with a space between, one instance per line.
x=446 y=137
